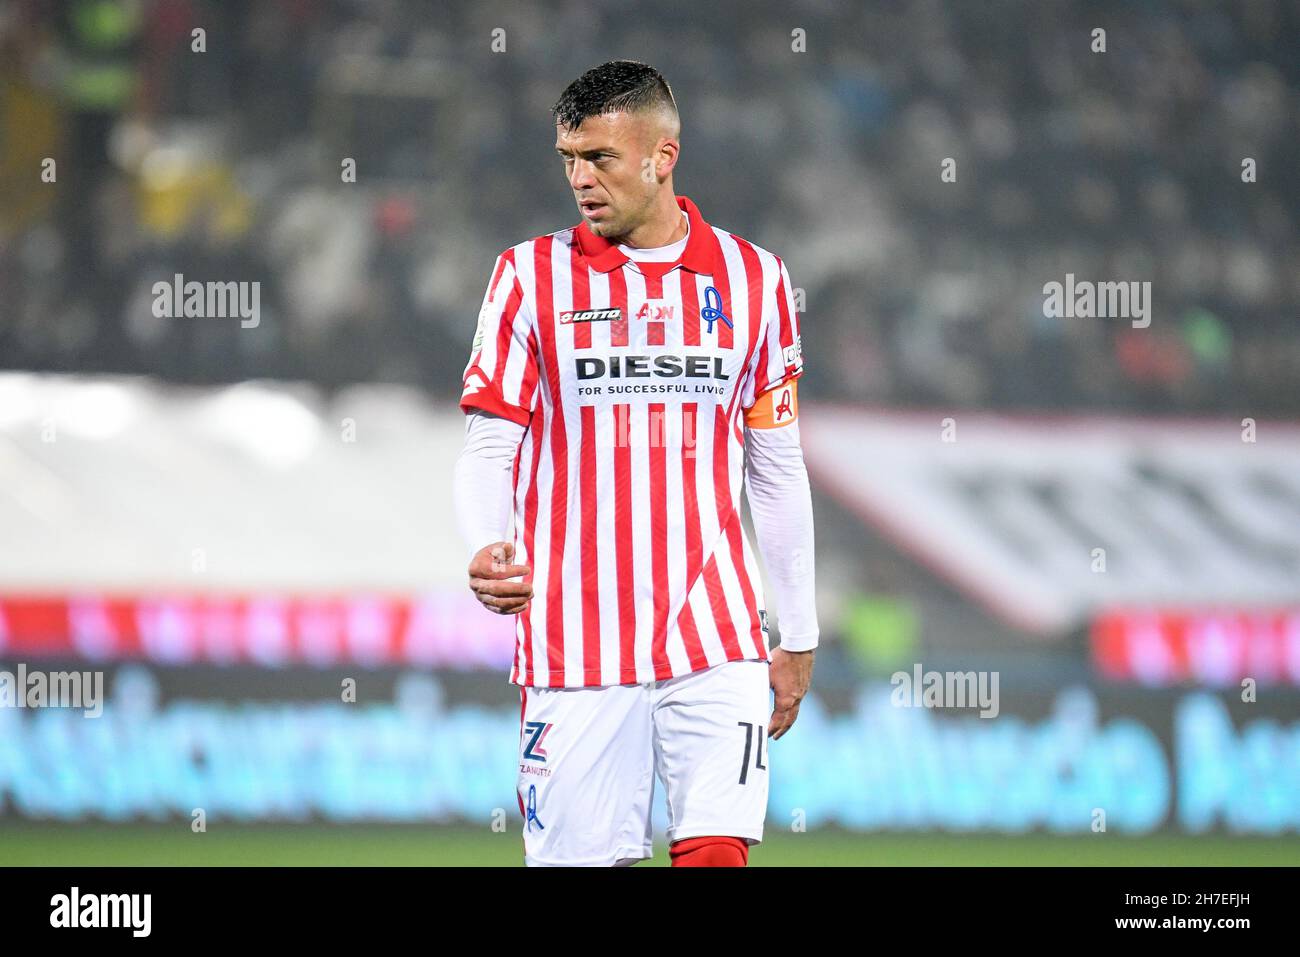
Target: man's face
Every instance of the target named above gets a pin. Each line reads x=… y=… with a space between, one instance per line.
x=610 y=162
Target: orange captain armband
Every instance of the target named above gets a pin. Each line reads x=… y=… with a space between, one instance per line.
x=775 y=407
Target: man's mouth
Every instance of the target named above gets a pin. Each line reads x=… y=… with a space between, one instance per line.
x=590 y=207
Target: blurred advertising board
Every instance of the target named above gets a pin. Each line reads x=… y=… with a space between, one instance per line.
x=444 y=629
x=1215 y=647
x=412 y=745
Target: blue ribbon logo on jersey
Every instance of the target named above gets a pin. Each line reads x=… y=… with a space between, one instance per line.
x=532 y=810
x=711 y=311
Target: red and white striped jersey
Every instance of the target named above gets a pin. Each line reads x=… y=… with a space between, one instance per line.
x=632 y=380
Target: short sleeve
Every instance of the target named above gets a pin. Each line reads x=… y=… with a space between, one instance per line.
x=501 y=377
x=778 y=359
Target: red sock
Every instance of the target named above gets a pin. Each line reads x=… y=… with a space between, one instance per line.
x=709 y=852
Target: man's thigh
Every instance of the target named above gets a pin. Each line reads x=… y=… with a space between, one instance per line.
x=586 y=775
x=711 y=750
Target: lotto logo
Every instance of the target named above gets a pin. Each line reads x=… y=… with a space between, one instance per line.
x=590 y=315
x=474 y=381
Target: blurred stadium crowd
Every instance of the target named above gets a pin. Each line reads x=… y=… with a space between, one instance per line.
x=1123 y=165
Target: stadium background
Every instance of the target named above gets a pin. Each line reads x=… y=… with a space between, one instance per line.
x=232 y=522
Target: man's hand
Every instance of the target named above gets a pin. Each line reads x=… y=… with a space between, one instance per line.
x=790 y=674
x=489 y=571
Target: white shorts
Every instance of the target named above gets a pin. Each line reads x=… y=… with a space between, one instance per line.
x=588 y=759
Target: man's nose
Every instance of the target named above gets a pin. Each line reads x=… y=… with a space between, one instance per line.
x=580 y=177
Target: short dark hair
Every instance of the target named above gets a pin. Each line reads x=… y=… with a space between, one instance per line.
x=613 y=87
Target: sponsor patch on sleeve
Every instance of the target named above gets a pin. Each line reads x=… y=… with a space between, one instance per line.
x=794 y=354
x=479 y=329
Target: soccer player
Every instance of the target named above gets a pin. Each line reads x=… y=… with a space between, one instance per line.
x=625 y=373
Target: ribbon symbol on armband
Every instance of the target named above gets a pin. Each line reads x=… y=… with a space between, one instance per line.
x=532 y=809
x=711 y=311
x=783 y=407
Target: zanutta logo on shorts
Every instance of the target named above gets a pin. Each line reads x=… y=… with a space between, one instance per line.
x=537 y=732
x=590 y=315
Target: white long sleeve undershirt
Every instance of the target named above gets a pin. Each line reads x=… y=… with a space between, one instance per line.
x=482 y=487
x=776 y=484
x=780 y=503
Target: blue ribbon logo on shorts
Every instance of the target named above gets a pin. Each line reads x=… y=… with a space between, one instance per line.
x=711 y=311
x=532 y=810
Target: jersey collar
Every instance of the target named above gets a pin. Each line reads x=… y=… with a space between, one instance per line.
x=605 y=256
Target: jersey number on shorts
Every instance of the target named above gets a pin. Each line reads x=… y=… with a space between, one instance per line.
x=752 y=732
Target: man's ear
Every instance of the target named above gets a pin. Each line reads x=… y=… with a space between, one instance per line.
x=667 y=153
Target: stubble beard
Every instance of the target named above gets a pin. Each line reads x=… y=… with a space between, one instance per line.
x=621 y=227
